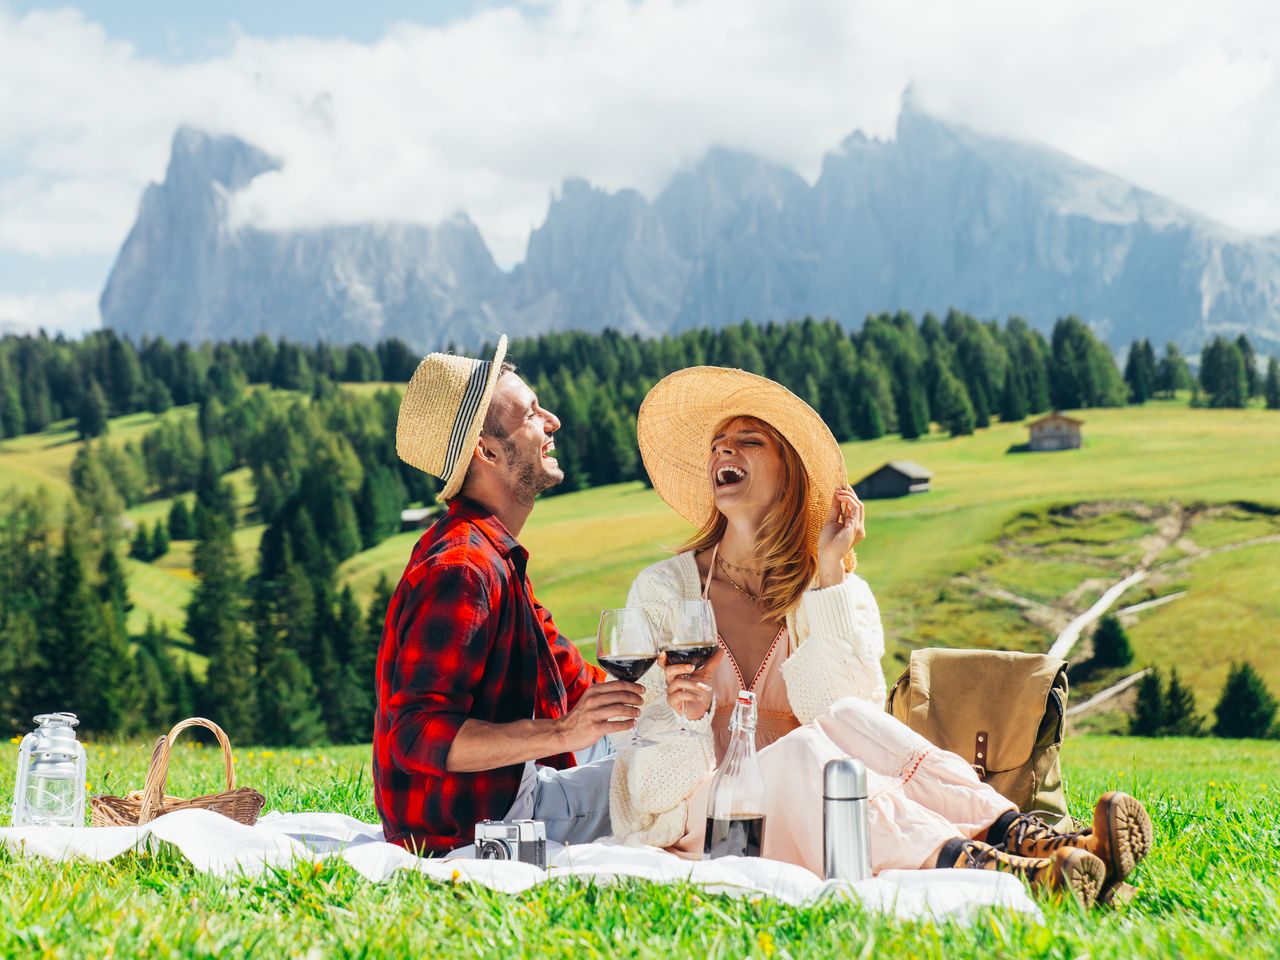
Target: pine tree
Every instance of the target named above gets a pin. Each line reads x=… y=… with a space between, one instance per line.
x=379 y=503
x=113 y=588
x=954 y=411
x=214 y=495
x=287 y=693
x=868 y=422
x=214 y=623
x=1148 y=713
x=1222 y=374
x=1180 y=717
x=1140 y=371
x=1013 y=402
x=1172 y=374
x=140 y=547
x=1246 y=708
x=12 y=417
x=1111 y=644
x=157 y=679
x=1271 y=388
x=94 y=677
x=159 y=399
x=159 y=540
x=91 y=420
x=912 y=405
x=1253 y=382
x=355 y=657
x=179 y=520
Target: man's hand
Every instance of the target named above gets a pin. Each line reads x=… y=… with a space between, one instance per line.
x=690 y=690
x=603 y=708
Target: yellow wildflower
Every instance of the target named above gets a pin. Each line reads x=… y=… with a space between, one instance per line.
x=457 y=875
x=15 y=739
x=767 y=946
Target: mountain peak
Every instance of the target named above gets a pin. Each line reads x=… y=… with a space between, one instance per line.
x=200 y=157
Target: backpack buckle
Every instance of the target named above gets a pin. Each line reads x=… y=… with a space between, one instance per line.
x=980 y=752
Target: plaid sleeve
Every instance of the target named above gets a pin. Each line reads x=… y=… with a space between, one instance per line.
x=575 y=672
x=438 y=665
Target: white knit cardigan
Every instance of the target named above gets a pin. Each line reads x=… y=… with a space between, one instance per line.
x=839 y=642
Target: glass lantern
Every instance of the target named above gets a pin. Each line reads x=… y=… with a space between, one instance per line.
x=50 y=787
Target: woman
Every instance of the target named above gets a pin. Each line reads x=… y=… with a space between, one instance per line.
x=761 y=475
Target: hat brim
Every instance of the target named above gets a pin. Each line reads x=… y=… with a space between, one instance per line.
x=453 y=483
x=676 y=425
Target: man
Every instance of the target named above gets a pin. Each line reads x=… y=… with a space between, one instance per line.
x=474 y=682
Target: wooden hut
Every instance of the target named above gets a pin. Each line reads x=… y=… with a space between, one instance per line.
x=897 y=478
x=417 y=518
x=1056 y=431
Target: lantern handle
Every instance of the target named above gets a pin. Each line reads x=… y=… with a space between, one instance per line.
x=158 y=769
x=19 y=816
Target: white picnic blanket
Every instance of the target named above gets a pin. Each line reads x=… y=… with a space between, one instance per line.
x=214 y=844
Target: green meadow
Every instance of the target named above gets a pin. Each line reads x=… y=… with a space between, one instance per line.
x=1209 y=889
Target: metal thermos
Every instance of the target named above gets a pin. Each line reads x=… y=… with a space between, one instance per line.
x=845 y=841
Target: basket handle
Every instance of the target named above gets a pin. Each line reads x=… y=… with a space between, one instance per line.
x=158 y=768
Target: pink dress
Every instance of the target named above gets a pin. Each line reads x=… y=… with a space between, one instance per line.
x=920 y=796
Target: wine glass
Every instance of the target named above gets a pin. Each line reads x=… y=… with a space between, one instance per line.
x=626 y=649
x=691 y=638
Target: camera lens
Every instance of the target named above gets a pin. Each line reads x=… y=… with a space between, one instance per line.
x=493 y=850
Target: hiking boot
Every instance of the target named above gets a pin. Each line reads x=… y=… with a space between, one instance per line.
x=1120 y=837
x=1068 y=870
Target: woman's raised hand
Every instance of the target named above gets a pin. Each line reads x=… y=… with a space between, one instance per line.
x=688 y=687
x=845 y=528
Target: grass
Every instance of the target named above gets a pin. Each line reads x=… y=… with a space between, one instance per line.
x=1210 y=888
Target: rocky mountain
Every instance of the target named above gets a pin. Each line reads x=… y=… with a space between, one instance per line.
x=939 y=216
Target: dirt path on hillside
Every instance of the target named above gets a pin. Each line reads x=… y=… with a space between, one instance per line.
x=1167 y=537
x=1081 y=709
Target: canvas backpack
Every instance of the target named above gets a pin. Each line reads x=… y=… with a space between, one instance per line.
x=999 y=710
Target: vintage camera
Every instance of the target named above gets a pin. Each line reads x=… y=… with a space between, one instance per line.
x=523 y=840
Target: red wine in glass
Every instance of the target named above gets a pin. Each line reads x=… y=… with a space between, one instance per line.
x=694 y=655
x=629 y=669
x=626 y=647
x=739 y=835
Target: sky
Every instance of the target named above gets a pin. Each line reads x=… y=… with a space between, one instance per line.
x=399 y=111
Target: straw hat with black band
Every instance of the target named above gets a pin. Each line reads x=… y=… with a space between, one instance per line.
x=442 y=412
x=677 y=423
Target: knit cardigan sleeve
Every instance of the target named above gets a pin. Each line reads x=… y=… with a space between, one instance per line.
x=649 y=792
x=840 y=644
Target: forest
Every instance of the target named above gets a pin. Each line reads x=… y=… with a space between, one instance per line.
x=281 y=652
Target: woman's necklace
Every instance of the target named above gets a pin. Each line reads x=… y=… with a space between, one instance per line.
x=737 y=566
x=733 y=583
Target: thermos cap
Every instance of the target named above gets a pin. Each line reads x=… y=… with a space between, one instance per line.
x=844 y=779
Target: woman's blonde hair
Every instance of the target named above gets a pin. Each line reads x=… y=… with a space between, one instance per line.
x=782 y=542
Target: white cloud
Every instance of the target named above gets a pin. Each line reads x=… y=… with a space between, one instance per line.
x=490 y=113
x=71 y=312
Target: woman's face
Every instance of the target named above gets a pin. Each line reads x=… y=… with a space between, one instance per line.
x=744 y=469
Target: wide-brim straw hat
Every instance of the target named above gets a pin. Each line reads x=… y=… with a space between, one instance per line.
x=442 y=412
x=677 y=423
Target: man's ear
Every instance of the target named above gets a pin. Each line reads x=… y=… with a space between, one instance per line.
x=486 y=450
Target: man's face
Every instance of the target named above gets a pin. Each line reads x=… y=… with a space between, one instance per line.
x=525 y=452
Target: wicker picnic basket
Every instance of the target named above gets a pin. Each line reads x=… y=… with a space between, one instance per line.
x=242 y=804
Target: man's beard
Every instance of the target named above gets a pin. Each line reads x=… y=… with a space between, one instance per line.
x=531 y=478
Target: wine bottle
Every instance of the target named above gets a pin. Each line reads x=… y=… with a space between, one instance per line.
x=735 y=810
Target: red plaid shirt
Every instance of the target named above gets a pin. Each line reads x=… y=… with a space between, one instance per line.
x=464 y=637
